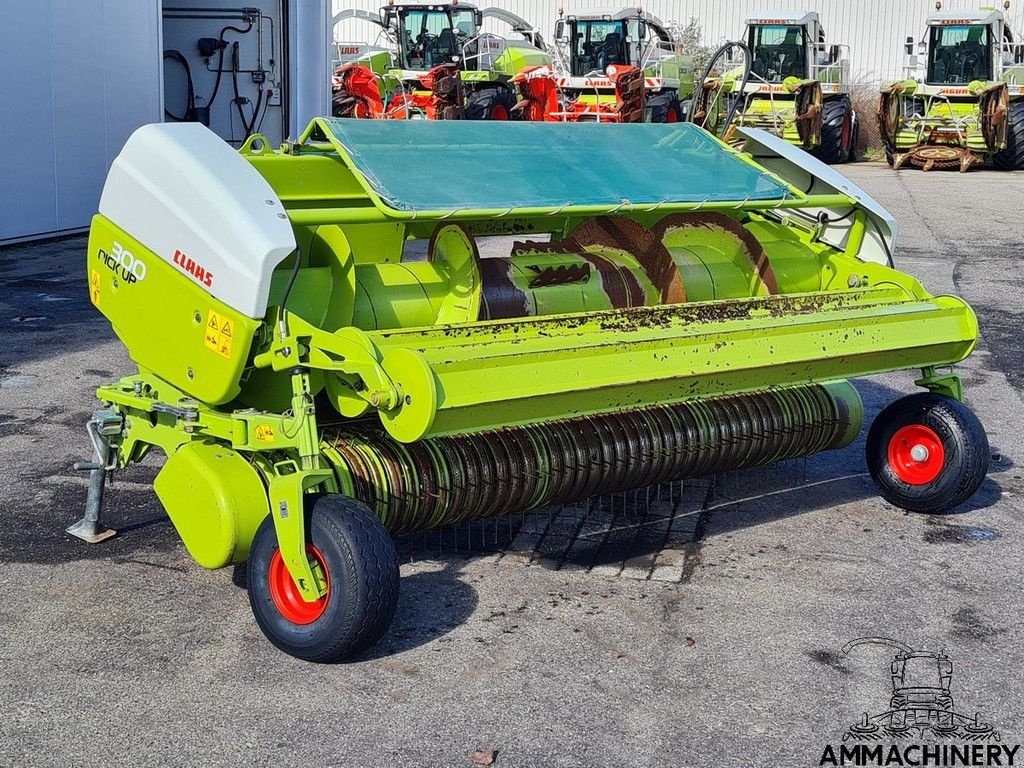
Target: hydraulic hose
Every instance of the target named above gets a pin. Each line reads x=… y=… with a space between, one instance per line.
x=698 y=94
x=220 y=60
x=190 y=99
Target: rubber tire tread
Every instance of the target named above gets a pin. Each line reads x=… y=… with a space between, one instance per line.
x=833 y=115
x=363 y=568
x=964 y=442
x=480 y=104
x=663 y=103
x=1012 y=158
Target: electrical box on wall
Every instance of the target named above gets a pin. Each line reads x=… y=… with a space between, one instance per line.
x=262 y=67
x=226 y=66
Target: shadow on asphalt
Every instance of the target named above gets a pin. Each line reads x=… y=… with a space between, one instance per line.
x=45 y=308
x=54 y=496
x=430 y=605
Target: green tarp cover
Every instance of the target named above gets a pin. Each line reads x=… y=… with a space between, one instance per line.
x=419 y=165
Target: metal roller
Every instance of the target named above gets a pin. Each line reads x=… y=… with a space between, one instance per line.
x=453 y=479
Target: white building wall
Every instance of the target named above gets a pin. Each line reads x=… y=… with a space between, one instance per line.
x=875 y=30
x=78 y=78
x=80 y=75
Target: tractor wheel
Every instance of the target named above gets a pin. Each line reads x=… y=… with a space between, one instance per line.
x=889 y=157
x=490 y=104
x=665 y=107
x=854 y=140
x=1012 y=158
x=837 y=124
x=359 y=561
x=927 y=453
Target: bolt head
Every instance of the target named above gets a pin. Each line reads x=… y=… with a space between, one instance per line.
x=919 y=453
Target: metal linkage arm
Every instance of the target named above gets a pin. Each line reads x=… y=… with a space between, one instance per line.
x=347 y=352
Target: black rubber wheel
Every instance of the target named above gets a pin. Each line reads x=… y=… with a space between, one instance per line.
x=889 y=158
x=836 y=131
x=927 y=453
x=490 y=104
x=854 y=140
x=359 y=559
x=665 y=107
x=1012 y=158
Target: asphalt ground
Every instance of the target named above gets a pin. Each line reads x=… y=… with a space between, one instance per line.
x=717 y=645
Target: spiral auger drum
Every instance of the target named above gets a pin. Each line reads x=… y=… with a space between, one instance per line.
x=325 y=357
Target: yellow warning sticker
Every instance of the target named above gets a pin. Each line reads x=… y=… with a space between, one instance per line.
x=94 y=287
x=264 y=433
x=218 y=334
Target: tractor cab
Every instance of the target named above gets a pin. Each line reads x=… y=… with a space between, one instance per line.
x=598 y=39
x=431 y=35
x=921 y=689
x=623 y=66
x=959 y=54
x=785 y=45
x=442 y=65
x=779 y=51
x=596 y=44
x=962 y=47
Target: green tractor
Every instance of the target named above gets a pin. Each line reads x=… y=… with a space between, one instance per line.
x=962 y=102
x=622 y=66
x=795 y=85
x=436 y=64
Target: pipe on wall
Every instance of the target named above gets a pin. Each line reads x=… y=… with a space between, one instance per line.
x=308 y=27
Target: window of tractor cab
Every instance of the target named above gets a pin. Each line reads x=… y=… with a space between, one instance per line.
x=596 y=44
x=429 y=37
x=780 y=51
x=959 y=54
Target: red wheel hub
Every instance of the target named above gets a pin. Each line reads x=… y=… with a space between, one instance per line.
x=286 y=595
x=499 y=113
x=916 y=454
